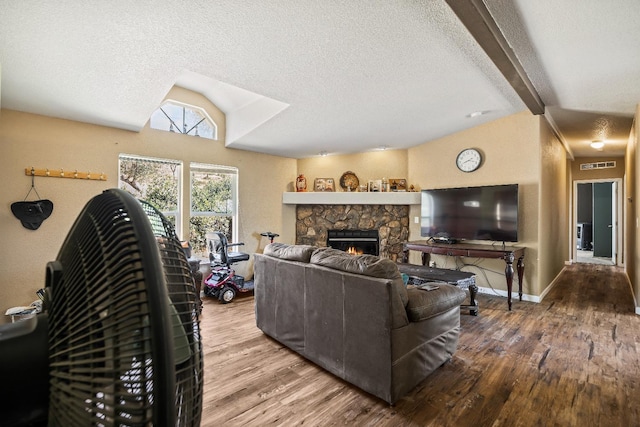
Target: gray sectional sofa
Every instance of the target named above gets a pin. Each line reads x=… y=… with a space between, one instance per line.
x=353 y=316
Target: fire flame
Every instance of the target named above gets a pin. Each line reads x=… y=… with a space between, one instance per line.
x=352 y=250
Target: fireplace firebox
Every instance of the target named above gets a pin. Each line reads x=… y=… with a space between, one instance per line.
x=355 y=242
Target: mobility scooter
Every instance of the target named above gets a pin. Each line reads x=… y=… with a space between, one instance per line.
x=223 y=282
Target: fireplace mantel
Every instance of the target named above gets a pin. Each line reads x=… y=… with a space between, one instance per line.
x=348 y=198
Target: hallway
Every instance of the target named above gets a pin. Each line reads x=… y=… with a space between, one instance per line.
x=588 y=258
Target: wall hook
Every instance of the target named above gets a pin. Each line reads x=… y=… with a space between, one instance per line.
x=60 y=173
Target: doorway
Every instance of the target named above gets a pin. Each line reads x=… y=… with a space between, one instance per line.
x=597 y=210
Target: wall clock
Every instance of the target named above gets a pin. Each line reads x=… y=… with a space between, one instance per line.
x=469 y=160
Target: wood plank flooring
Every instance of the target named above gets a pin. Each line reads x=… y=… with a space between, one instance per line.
x=572 y=360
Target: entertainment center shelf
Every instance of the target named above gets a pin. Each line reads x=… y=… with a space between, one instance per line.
x=351 y=198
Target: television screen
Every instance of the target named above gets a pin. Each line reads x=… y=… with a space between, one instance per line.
x=471 y=213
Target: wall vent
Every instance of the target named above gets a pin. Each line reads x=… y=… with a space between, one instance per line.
x=598 y=165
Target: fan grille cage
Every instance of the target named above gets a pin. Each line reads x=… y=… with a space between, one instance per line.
x=181 y=290
x=111 y=359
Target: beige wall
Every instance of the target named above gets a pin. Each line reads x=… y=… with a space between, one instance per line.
x=511 y=148
x=554 y=208
x=366 y=166
x=617 y=172
x=29 y=140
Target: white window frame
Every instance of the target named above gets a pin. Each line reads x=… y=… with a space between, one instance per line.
x=176 y=213
x=229 y=170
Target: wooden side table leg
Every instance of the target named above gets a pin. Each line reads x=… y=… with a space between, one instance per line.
x=508 y=273
x=520 y=268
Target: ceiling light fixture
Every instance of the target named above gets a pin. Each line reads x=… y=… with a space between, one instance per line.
x=323 y=154
x=478 y=113
x=598 y=145
x=383 y=147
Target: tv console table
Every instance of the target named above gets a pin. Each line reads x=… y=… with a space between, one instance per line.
x=472 y=250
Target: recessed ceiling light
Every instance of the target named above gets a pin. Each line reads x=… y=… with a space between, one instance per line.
x=477 y=114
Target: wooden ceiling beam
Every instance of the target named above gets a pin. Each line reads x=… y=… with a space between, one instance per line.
x=478 y=20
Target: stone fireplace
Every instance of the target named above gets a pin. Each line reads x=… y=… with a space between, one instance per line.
x=391 y=221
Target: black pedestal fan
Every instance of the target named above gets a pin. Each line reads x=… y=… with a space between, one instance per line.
x=119 y=341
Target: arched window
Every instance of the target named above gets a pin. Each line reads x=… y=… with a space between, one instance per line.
x=177 y=117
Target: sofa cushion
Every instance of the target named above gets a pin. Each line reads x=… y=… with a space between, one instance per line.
x=367 y=265
x=300 y=253
x=426 y=304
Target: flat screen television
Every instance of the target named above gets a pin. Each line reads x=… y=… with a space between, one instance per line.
x=471 y=213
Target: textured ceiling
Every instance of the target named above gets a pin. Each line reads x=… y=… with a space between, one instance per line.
x=299 y=77
x=582 y=56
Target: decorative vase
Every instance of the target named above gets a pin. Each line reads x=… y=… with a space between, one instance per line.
x=301 y=183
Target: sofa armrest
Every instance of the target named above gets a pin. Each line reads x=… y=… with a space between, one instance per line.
x=424 y=305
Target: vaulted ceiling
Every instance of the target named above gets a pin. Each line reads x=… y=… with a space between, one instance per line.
x=297 y=77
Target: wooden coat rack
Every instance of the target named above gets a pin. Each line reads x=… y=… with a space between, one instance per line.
x=61 y=173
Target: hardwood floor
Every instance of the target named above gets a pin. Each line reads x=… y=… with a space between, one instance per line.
x=572 y=360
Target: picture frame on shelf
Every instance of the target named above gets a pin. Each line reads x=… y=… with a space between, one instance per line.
x=397 y=184
x=375 y=185
x=324 y=184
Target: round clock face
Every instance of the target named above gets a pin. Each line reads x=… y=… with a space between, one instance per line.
x=469 y=160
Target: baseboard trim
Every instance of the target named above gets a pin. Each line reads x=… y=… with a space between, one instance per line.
x=538 y=299
x=514 y=294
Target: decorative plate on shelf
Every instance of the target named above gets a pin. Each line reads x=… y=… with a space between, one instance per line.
x=349 y=181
